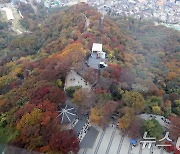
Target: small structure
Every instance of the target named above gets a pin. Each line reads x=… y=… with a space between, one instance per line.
x=85 y=133
x=74 y=79
x=67 y=114
x=9 y=13
x=97 y=51
x=133 y=142
x=97 y=47
x=97 y=59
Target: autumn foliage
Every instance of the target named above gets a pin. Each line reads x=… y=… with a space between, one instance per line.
x=142 y=77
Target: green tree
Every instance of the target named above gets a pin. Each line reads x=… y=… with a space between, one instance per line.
x=59 y=83
x=153 y=128
x=8 y=134
x=70 y=90
x=167 y=108
x=22 y=101
x=3 y=121
x=167 y=111
x=104 y=97
x=156 y=110
x=154 y=100
x=176 y=107
x=116 y=92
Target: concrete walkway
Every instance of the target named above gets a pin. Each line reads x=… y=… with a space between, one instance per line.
x=162 y=120
x=87 y=22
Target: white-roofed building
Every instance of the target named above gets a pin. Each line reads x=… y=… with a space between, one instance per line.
x=9 y=13
x=97 y=51
x=97 y=47
x=97 y=57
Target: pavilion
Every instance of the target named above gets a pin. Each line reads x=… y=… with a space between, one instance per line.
x=67 y=114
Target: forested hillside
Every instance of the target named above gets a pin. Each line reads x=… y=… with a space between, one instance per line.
x=142 y=76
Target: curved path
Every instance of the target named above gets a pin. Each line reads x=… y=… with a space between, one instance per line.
x=33 y=6
x=87 y=21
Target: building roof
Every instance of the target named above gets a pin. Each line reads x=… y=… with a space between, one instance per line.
x=90 y=138
x=80 y=124
x=97 y=47
x=67 y=114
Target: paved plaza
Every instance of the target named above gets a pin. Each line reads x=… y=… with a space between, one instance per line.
x=74 y=79
x=111 y=141
x=94 y=62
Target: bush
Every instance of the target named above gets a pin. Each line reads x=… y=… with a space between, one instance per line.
x=70 y=90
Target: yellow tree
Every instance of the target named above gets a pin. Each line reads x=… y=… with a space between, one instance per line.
x=135 y=100
x=125 y=121
x=30 y=119
x=156 y=109
x=96 y=115
x=73 y=55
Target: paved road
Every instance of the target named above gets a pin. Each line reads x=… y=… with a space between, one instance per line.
x=33 y=6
